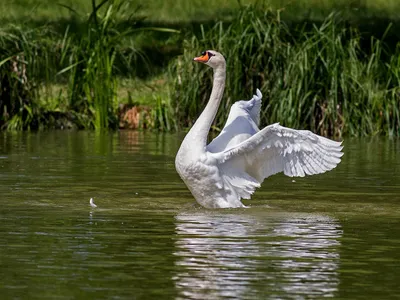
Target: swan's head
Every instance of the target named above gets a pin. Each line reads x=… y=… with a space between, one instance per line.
x=211 y=58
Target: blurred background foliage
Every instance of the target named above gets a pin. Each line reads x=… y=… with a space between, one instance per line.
x=328 y=66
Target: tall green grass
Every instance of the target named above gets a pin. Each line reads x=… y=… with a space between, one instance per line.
x=92 y=59
x=327 y=76
x=23 y=53
x=91 y=55
x=178 y=11
x=87 y=62
x=317 y=77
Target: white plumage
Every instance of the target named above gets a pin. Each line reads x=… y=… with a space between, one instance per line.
x=237 y=161
x=91 y=202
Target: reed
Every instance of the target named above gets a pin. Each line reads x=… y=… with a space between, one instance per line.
x=169 y=11
x=319 y=78
x=93 y=55
x=322 y=74
x=23 y=55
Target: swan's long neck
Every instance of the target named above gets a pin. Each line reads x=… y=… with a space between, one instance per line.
x=199 y=132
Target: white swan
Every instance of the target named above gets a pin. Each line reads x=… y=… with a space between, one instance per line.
x=91 y=202
x=237 y=161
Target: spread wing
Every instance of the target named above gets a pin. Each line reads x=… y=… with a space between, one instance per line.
x=242 y=123
x=279 y=149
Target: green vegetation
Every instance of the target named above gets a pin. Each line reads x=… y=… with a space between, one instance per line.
x=79 y=69
x=328 y=66
x=318 y=78
x=195 y=11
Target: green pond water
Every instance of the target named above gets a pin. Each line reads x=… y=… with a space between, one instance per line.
x=332 y=235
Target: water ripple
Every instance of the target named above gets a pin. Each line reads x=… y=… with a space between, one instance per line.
x=239 y=256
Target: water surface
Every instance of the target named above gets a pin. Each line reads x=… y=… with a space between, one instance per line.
x=333 y=235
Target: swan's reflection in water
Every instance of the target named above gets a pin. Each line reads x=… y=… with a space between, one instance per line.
x=223 y=255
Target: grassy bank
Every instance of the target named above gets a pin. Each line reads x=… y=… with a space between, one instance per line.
x=84 y=66
x=319 y=78
x=78 y=75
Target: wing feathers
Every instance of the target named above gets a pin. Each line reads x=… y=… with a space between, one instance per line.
x=255 y=111
x=246 y=162
x=279 y=149
x=239 y=182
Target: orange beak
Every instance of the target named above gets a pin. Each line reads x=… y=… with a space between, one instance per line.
x=204 y=58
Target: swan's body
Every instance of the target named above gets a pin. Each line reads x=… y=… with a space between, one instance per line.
x=237 y=161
